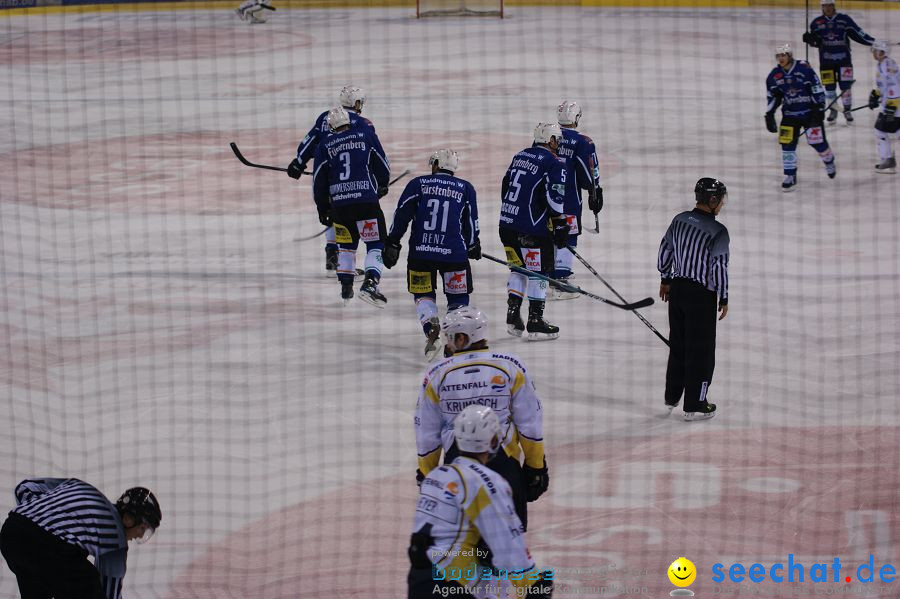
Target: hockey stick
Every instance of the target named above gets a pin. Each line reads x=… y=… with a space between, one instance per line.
x=647 y=301
x=616 y=293
x=827 y=108
x=240 y=157
x=323 y=231
x=596 y=229
x=267 y=7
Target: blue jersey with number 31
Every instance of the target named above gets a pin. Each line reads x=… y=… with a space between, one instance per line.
x=444 y=218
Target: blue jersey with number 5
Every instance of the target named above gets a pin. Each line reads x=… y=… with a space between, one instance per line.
x=534 y=189
x=444 y=218
x=350 y=166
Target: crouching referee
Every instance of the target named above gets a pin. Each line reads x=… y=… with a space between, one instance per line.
x=693 y=262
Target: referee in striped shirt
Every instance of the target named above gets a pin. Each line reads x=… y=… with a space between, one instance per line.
x=58 y=522
x=693 y=262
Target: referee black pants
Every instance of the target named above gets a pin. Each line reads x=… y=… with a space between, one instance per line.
x=692 y=343
x=46 y=566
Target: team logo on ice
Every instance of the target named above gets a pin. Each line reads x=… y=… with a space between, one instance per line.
x=368 y=229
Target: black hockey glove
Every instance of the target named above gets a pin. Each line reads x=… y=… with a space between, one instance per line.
x=419 y=543
x=811 y=38
x=474 y=252
x=537 y=480
x=560 y=231
x=325 y=217
x=391 y=253
x=382 y=191
x=595 y=201
x=874 y=99
x=295 y=169
x=771 y=127
x=419 y=478
x=817 y=116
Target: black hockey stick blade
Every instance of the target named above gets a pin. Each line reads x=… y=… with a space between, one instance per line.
x=575 y=288
x=594 y=272
x=308 y=237
x=398 y=177
x=267 y=7
x=596 y=229
x=647 y=301
x=240 y=157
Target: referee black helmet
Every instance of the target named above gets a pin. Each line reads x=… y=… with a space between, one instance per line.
x=708 y=189
x=142 y=505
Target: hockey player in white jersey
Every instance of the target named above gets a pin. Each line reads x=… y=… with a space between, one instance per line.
x=461 y=504
x=476 y=375
x=254 y=11
x=885 y=97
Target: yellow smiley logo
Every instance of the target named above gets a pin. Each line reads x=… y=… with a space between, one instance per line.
x=682 y=572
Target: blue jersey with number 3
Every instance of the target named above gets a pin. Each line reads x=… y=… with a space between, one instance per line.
x=534 y=189
x=444 y=218
x=350 y=166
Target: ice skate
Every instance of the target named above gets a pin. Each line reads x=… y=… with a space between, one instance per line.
x=240 y=14
x=369 y=293
x=558 y=292
x=887 y=166
x=830 y=169
x=848 y=116
x=705 y=413
x=789 y=183
x=432 y=347
x=538 y=328
x=832 y=115
x=514 y=324
x=346 y=291
x=672 y=406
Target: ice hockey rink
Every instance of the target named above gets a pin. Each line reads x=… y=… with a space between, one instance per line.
x=160 y=325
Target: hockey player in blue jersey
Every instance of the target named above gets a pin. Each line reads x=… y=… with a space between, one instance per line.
x=831 y=34
x=532 y=222
x=444 y=216
x=350 y=175
x=794 y=86
x=582 y=172
x=352 y=99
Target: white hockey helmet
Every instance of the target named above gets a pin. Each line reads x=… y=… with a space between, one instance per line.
x=784 y=48
x=468 y=320
x=568 y=113
x=338 y=117
x=881 y=46
x=445 y=159
x=477 y=429
x=544 y=132
x=826 y=2
x=350 y=95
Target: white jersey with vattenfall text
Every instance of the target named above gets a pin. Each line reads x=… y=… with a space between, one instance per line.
x=498 y=381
